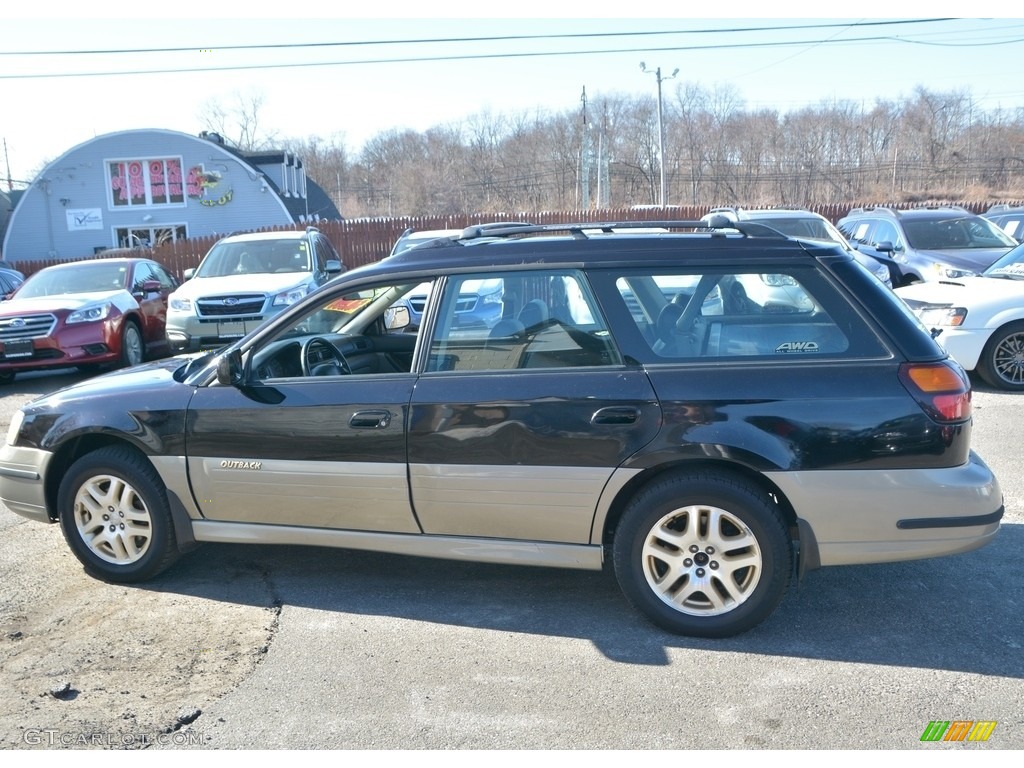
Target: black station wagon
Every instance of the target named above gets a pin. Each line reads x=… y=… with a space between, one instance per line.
x=711 y=412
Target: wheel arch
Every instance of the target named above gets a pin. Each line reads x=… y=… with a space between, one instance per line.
x=800 y=534
x=71 y=451
x=134 y=317
x=984 y=365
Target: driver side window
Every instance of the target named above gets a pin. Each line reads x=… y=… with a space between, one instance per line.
x=373 y=330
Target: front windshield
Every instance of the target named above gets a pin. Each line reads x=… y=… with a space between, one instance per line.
x=86 y=277
x=352 y=311
x=957 y=233
x=1011 y=266
x=255 y=257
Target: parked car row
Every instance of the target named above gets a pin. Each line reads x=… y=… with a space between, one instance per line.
x=105 y=313
x=110 y=312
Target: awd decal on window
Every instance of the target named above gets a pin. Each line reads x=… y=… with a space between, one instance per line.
x=797 y=346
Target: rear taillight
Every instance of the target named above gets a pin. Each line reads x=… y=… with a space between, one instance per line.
x=941 y=389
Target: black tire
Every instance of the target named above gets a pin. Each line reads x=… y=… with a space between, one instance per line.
x=133 y=349
x=1001 y=364
x=713 y=580
x=114 y=515
x=7 y=377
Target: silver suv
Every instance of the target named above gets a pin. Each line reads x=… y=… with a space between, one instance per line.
x=927 y=244
x=799 y=222
x=242 y=281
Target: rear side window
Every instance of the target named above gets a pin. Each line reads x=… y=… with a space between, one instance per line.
x=741 y=314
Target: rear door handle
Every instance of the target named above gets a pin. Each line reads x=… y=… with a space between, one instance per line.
x=370 y=420
x=616 y=414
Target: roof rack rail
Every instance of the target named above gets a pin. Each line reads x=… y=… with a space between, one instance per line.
x=585 y=230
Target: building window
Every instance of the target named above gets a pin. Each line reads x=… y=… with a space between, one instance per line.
x=149 y=182
x=148 y=237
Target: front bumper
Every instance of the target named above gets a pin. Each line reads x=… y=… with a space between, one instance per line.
x=21 y=481
x=198 y=334
x=964 y=344
x=87 y=345
x=873 y=516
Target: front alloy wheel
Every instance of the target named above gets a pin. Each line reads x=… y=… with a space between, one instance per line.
x=1002 y=361
x=703 y=553
x=132 y=349
x=114 y=515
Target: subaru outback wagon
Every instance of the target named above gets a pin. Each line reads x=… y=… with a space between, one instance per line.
x=624 y=410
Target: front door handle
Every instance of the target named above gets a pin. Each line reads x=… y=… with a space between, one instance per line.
x=370 y=420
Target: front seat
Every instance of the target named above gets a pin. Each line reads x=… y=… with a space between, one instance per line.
x=534 y=315
x=667 y=343
x=507 y=331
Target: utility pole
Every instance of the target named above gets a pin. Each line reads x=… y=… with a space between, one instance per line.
x=661 y=128
x=10 y=184
x=585 y=154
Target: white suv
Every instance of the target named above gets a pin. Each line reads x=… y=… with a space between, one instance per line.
x=242 y=281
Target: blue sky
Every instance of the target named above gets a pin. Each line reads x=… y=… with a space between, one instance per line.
x=351 y=92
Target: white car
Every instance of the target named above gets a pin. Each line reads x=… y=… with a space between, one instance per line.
x=979 y=320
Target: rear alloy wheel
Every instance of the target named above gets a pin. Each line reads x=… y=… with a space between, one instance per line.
x=1002 y=361
x=132 y=349
x=114 y=515
x=703 y=554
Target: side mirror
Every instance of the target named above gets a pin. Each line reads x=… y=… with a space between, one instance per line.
x=230 y=371
x=188 y=273
x=147 y=287
x=396 y=318
x=885 y=246
x=333 y=266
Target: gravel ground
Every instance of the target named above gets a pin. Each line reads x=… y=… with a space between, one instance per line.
x=89 y=664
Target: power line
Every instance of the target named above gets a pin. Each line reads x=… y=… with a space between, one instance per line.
x=478 y=57
x=486 y=39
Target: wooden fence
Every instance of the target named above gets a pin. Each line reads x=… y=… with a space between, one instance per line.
x=364 y=241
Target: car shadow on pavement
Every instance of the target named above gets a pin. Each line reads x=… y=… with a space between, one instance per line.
x=960 y=613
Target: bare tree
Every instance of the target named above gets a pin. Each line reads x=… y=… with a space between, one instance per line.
x=238 y=120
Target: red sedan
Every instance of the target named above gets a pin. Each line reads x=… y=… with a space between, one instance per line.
x=86 y=314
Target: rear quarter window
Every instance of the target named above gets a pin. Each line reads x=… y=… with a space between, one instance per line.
x=793 y=313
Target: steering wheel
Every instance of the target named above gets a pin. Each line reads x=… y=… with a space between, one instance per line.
x=321 y=358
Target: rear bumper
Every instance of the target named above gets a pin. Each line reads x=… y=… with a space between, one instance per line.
x=875 y=516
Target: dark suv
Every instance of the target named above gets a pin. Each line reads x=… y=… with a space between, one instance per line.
x=631 y=406
x=1008 y=218
x=926 y=244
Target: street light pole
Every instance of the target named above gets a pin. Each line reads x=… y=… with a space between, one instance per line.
x=661 y=128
